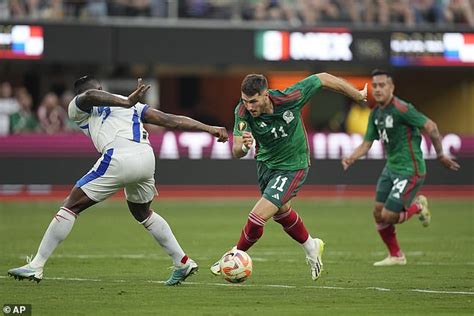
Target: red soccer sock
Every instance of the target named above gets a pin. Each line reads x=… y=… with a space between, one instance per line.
x=252 y=232
x=409 y=212
x=293 y=225
x=389 y=237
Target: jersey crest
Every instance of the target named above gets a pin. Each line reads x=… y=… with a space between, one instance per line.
x=389 y=121
x=288 y=116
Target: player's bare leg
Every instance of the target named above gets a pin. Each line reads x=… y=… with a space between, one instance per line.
x=57 y=231
x=183 y=266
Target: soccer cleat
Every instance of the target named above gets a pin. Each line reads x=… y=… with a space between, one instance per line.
x=216 y=267
x=391 y=261
x=315 y=263
x=180 y=274
x=425 y=214
x=27 y=272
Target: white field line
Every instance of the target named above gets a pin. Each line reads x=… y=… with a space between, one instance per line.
x=370 y=288
x=162 y=257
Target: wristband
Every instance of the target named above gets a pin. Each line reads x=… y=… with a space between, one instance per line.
x=245 y=149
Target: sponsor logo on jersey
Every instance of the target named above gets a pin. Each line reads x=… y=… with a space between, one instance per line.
x=242 y=126
x=389 y=121
x=262 y=124
x=288 y=116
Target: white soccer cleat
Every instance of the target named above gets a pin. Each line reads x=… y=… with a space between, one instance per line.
x=391 y=261
x=425 y=214
x=180 y=274
x=315 y=263
x=216 y=267
x=27 y=272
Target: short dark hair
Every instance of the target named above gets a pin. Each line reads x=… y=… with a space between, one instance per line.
x=380 y=72
x=85 y=83
x=253 y=84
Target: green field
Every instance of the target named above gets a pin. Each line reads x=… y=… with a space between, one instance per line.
x=111 y=265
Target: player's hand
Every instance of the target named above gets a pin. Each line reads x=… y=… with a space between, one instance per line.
x=449 y=163
x=247 y=139
x=220 y=133
x=363 y=94
x=139 y=93
x=346 y=162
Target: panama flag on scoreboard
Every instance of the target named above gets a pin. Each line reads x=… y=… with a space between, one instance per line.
x=459 y=47
x=22 y=42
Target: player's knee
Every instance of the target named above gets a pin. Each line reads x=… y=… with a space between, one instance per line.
x=140 y=215
x=389 y=217
x=377 y=212
x=284 y=208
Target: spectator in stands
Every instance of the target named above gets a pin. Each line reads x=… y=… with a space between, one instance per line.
x=459 y=12
x=319 y=11
x=4 y=9
x=23 y=121
x=51 y=115
x=428 y=11
x=270 y=10
x=223 y=9
x=194 y=8
x=8 y=105
x=66 y=97
x=54 y=10
x=389 y=11
x=17 y=9
x=159 y=8
x=95 y=8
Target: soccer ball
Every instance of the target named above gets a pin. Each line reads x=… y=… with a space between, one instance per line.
x=236 y=266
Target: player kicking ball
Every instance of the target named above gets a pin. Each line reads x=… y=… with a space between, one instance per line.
x=272 y=120
x=398 y=125
x=115 y=125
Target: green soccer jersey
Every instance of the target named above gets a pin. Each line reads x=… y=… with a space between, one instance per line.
x=281 y=141
x=398 y=126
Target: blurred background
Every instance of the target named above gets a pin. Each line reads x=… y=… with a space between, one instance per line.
x=195 y=54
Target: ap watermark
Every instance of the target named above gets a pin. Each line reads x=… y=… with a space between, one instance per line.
x=17 y=309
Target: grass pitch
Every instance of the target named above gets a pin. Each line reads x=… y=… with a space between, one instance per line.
x=110 y=265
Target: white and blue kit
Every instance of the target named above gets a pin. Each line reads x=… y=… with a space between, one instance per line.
x=127 y=157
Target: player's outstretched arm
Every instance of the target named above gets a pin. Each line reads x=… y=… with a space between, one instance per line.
x=339 y=85
x=431 y=129
x=156 y=117
x=242 y=145
x=360 y=151
x=86 y=100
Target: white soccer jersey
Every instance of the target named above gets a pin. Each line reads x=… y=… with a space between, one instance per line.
x=103 y=124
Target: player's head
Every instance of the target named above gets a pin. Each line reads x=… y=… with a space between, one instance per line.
x=254 y=93
x=86 y=83
x=382 y=86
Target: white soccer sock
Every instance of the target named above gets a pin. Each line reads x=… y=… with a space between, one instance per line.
x=57 y=231
x=159 y=228
x=309 y=246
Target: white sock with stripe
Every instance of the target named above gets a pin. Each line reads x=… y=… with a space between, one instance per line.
x=161 y=231
x=57 y=231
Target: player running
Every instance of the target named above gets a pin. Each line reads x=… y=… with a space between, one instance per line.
x=272 y=119
x=398 y=124
x=115 y=125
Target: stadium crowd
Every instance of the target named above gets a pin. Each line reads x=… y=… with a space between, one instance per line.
x=19 y=114
x=293 y=12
